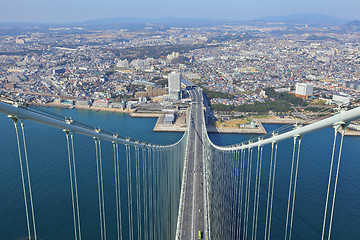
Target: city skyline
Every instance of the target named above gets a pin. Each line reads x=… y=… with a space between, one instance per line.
x=40 y=11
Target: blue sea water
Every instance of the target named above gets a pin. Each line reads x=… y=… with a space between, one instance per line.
x=314 y=164
x=52 y=197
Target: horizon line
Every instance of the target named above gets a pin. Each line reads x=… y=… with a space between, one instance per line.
x=177 y=18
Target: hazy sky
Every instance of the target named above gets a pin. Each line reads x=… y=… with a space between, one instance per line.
x=78 y=10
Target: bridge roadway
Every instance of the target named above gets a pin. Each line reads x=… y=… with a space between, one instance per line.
x=194 y=212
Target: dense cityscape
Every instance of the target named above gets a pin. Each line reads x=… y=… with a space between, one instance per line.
x=180 y=120
x=233 y=63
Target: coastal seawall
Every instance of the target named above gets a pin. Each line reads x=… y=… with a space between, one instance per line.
x=180 y=126
x=84 y=107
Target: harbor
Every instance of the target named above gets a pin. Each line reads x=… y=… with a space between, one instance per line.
x=180 y=125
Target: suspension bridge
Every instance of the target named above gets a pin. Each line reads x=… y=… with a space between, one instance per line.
x=192 y=189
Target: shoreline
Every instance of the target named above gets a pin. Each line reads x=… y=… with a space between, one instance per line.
x=177 y=127
x=96 y=109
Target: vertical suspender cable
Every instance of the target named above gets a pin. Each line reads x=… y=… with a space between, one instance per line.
x=290 y=187
x=158 y=194
x=145 y=194
x=129 y=186
x=75 y=184
x=119 y=192
x=171 y=176
x=71 y=183
x=102 y=188
x=155 y=196
x=170 y=163
x=176 y=183
x=269 y=188
x=329 y=182
x=28 y=178
x=250 y=177
x=153 y=188
x=258 y=192
x=99 y=188
x=236 y=185
x=255 y=191
x=238 y=227
x=176 y=188
x=223 y=194
x=235 y=188
x=149 y=193
x=137 y=172
x=116 y=192
x=15 y=120
x=165 y=159
x=152 y=195
x=241 y=188
x=336 y=181
x=219 y=198
x=272 y=190
x=165 y=191
x=228 y=155
x=248 y=193
x=294 y=192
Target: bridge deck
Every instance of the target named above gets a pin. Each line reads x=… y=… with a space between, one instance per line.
x=193 y=215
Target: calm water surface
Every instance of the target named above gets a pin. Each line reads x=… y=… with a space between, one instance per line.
x=52 y=197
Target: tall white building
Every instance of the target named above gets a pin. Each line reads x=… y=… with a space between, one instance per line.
x=174 y=85
x=304 y=89
x=123 y=64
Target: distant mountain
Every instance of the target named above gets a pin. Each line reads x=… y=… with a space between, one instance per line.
x=353 y=26
x=310 y=19
x=321 y=38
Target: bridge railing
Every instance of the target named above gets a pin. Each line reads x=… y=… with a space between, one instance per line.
x=183 y=182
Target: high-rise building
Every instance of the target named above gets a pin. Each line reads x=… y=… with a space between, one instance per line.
x=123 y=64
x=174 y=85
x=304 y=90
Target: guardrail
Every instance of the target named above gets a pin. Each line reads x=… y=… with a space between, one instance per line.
x=182 y=194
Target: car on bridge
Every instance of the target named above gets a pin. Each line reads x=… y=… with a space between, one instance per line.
x=200 y=235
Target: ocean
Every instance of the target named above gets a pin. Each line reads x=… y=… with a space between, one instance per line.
x=52 y=197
